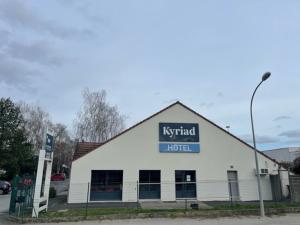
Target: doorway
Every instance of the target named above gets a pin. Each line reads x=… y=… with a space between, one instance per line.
x=233 y=186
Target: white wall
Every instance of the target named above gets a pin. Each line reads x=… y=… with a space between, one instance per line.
x=137 y=150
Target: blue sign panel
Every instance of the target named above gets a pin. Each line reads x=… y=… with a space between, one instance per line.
x=49 y=143
x=179 y=148
x=178 y=132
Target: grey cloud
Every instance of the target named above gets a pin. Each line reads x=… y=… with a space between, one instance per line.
x=86 y=9
x=291 y=134
x=220 y=94
x=38 y=52
x=281 y=118
x=294 y=141
x=260 y=139
x=16 y=14
x=15 y=73
x=4 y=37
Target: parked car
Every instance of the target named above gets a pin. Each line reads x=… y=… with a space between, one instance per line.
x=5 y=187
x=58 y=177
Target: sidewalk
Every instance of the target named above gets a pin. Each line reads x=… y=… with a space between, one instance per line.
x=4 y=203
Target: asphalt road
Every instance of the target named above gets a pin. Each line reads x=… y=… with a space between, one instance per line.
x=290 y=219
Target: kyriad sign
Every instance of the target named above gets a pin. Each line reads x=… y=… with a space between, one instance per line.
x=179 y=137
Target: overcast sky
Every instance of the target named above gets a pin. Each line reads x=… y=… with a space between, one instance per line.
x=210 y=55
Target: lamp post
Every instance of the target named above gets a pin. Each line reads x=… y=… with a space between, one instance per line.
x=261 y=202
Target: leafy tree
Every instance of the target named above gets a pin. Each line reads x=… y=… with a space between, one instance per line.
x=16 y=156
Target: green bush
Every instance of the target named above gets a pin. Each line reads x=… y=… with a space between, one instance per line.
x=52 y=192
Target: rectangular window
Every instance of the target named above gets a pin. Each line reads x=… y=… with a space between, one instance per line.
x=185 y=184
x=106 y=185
x=149 y=184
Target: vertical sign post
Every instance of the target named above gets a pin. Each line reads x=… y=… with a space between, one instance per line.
x=41 y=192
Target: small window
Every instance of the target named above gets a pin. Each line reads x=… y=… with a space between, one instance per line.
x=185 y=184
x=149 y=184
x=106 y=185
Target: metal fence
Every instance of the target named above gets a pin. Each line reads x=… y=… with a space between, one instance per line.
x=160 y=195
x=294 y=181
x=21 y=201
x=210 y=192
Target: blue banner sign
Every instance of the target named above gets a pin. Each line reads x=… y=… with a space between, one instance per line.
x=179 y=138
x=179 y=148
x=178 y=132
x=49 y=143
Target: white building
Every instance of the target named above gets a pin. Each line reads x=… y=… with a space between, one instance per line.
x=174 y=154
x=284 y=154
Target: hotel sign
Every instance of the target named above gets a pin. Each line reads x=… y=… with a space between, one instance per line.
x=49 y=143
x=179 y=137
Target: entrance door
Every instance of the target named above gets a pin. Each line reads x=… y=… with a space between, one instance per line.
x=276 y=187
x=233 y=186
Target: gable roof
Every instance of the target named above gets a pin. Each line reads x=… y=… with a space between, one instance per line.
x=164 y=109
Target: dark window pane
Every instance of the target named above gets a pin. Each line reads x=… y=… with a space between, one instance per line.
x=106 y=185
x=185 y=183
x=144 y=176
x=149 y=176
x=149 y=184
x=154 y=176
x=185 y=176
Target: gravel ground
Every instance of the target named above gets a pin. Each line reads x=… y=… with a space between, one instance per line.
x=290 y=219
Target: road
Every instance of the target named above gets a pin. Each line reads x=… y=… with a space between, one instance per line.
x=290 y=219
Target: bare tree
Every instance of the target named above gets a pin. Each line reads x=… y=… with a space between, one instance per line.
x=36 y=122
x=97 y=120
x=63 y=148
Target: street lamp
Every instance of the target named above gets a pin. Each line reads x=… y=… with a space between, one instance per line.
x=262 y=210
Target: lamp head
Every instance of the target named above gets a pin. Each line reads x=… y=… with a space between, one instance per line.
x=265 y=76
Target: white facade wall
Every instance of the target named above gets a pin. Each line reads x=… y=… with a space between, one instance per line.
x=137 y=149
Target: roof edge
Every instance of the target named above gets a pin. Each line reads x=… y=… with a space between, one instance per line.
x=133 y=126
x=237 y=138
x=191 y=110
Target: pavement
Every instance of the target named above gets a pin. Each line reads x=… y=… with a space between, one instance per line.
x=4 y=206
x=4 y=203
